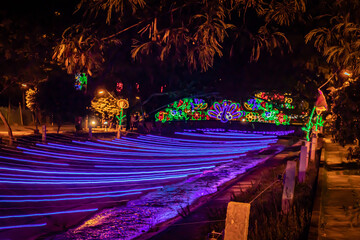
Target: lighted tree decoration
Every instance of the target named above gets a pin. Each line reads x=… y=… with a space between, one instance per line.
x=106 y=106
x=31 y=99
x=32 y=104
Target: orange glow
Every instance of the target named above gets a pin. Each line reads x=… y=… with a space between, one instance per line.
x=101 y=91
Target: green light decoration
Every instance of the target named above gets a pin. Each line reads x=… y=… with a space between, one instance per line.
x=309 y=125
x=319 y=122
x=123 y=104
x=120 y=117
x=183 y=110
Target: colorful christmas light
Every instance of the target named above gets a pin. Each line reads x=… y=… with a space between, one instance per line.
x=264 y=107
x=80 y=81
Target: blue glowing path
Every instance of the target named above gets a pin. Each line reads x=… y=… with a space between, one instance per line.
x=59 y=178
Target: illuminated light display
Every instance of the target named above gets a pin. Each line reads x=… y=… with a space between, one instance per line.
x=230 y=131
x=23 y=226
x=251 y=116
x=184 y=109
x=33 y=161
x=225 y=111
x=201 y=143
x=71 y=182
x=119 y=87
x=320 y=106
x=309 y=125
x=155 y=154
x=123 y=104
x=64 y=199
x=264 y=107
x=176 y=160
x=112 y=160
x=80 y=81
x=104 y=173
x=269 y=138
x=78 y=194
x=144 y=148
x=49 y=213
x=285 y=98
x=319 y=122
x=165 y=166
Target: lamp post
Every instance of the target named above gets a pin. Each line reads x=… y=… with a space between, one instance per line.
x=102 y=91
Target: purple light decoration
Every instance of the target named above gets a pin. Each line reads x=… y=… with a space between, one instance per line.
x=225 y=112
x=23 y=226
x=49 y=213
x=103 y=164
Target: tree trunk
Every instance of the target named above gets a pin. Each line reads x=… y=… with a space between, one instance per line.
x=36 y=131
x=8 y=128
x=21 y=115
x=59 y=120
x=58 y=129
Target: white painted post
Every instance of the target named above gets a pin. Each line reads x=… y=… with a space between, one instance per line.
x=303 y=164
x=237 y=221
x=313 y=147
x=90 y=131
x=289 y=186
x=44 y=134
x=307 y=145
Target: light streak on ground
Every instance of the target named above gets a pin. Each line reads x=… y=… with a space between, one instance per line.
x=76 y=172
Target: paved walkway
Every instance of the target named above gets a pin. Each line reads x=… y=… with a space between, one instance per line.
x=340 y=196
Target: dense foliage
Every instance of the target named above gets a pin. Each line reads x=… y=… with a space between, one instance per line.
x=337 y=38
x=182 y=32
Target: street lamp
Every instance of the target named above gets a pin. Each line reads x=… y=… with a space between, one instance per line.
x=102 y=91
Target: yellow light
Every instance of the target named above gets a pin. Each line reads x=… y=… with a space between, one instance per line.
x=93 y=122
x=137 y=97
x=24 y=85
x=101 y=91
